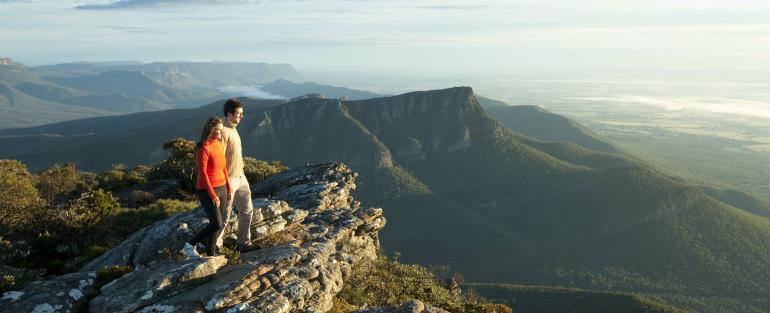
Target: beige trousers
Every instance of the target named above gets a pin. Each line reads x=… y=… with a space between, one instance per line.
x=241 y=200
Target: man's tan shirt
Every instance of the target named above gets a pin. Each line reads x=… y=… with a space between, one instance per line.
x=233 y=153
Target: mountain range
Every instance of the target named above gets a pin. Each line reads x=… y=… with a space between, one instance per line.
x=31 y=96
x=523 y=196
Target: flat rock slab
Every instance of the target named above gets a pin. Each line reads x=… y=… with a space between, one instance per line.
x=66 y=293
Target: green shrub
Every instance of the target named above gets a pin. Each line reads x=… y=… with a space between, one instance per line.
x=87 y=181
x=109 y=273
x=138 y=198
x=180 y=165
x=122 y=223
x=113 y=178
x=92 y=252
x=257 y=170
x=232 y=254
x=138 y=175
x=339 y=305
x=12 y=278
x=57 y=180
x=17 y=195
x=472 y=307
x=385 y=282
x=54 y=237
x=180 y=148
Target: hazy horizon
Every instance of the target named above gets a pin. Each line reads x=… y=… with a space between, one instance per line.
x=537 y=39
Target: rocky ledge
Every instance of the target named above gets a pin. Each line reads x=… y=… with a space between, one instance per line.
x=309 y=232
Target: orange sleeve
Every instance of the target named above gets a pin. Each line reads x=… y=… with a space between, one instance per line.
x=203 y=157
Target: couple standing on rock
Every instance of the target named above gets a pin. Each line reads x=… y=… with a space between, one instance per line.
x=222 y=183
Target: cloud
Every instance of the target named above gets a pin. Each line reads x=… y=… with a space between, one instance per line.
x=342 y=11
x=132 y=30
x=143 y=4
x=452 y=7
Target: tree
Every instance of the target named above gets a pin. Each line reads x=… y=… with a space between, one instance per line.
x=180 y=165
x=17 y=194
x=57 y=180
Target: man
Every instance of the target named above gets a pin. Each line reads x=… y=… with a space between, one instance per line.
x=241 y=198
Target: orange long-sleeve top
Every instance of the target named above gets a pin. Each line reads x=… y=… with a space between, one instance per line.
x=212 y=167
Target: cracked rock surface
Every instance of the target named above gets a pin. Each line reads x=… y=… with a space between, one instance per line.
x=308 y=233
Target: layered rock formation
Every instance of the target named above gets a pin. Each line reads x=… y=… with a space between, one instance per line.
x=309 y=233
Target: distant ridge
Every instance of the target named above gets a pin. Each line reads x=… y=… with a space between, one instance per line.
x=53 y=93
x=290 y=89
x=537 y=122
x=181 y=74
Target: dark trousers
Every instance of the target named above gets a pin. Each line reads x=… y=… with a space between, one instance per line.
x=206 y=235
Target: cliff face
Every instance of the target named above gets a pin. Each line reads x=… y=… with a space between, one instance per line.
x=309 y=233
x=373 y=133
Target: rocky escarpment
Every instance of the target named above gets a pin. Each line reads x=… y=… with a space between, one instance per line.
x=309 y=233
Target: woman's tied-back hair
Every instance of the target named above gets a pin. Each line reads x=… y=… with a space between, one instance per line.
x=208 y=129
x=232 y=104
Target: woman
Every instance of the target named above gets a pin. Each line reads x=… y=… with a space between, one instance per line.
x=213 y=186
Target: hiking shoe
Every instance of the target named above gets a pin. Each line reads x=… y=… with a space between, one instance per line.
x=190 y=251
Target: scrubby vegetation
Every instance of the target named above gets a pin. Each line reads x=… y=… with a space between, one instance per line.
x=109 y=273
x=387 y=282
x=546 y=299
x=54 y=221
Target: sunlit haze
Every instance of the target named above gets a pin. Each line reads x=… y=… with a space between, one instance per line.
x=727 y=40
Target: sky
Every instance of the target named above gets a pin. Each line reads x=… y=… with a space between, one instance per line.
x=410 y=38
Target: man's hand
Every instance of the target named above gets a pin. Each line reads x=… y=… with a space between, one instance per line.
x=216 y=201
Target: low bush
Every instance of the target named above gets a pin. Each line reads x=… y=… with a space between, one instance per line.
x=109 y=273
x=57 y=180
x=385 y=282
x=258 y=170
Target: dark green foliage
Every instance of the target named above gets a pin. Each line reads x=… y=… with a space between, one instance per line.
x=180 y=165
x=57 y=180
x=386 y=184
x=138 y=174
x=124 y=222
x=232 y=254
x=87 y=181
x=180 y=148
x=750 y=202
x=384 y=282
x=538 y=123
x=17 y=195
x=63 y=237
x=57 y=235
x=12 y=278
x=544 y=299
x=113 y=178
x=109 y=273
x=257 y=170
x=119 y=176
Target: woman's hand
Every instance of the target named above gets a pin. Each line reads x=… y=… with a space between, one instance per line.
x=216 y=201
x=229 y=197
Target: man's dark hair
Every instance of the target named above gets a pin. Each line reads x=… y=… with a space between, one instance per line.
x=232 y=104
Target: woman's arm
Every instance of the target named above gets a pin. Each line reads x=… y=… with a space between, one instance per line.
x=202 y=160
